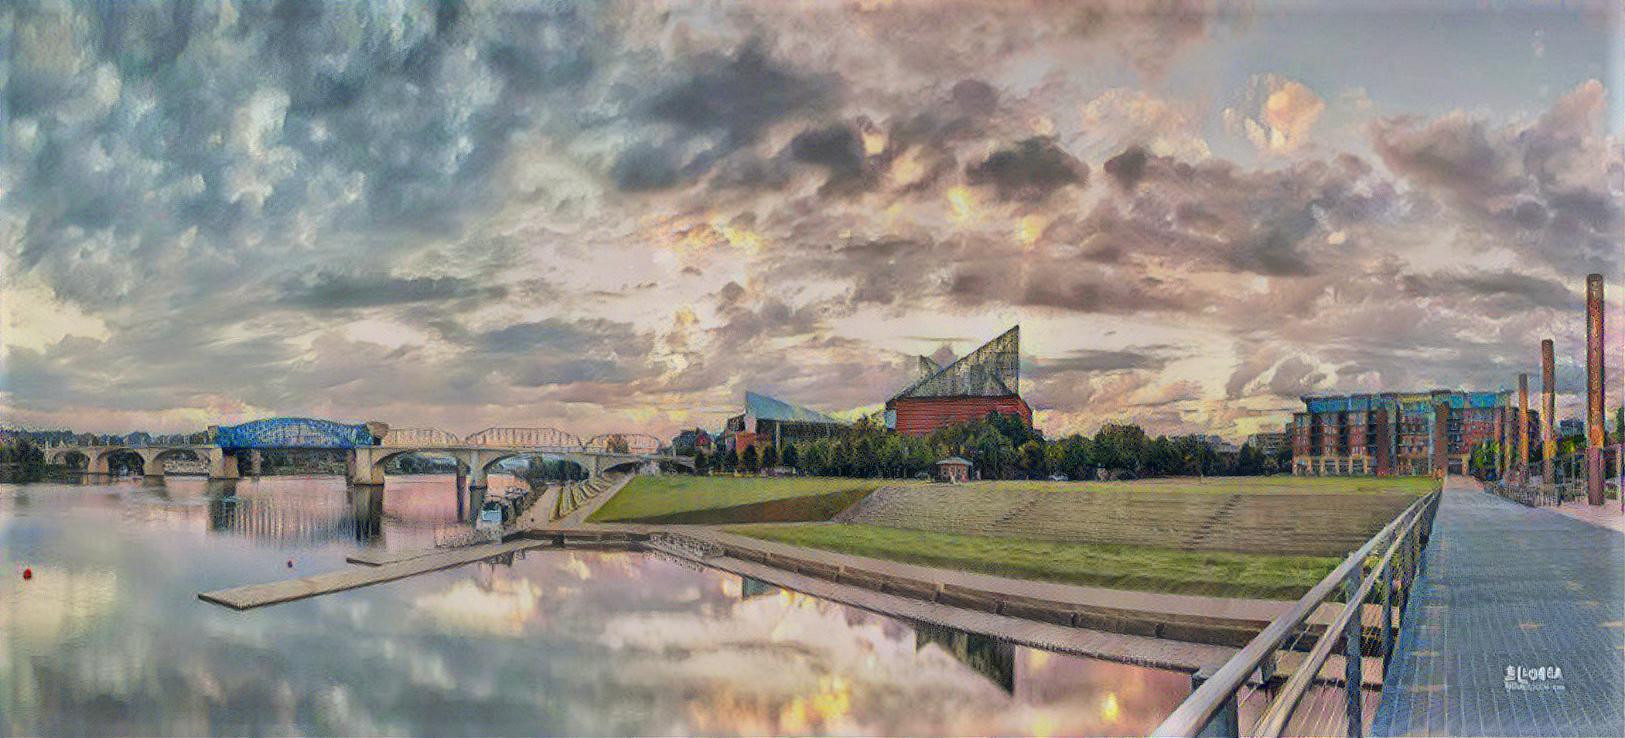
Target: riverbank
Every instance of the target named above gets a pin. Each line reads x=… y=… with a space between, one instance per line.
x=1141 y=568
x=715 y=500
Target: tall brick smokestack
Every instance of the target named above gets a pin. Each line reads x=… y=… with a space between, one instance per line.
x=1520 y=459
x=1548 y=411
x=1594 y=395
x=1501 y=441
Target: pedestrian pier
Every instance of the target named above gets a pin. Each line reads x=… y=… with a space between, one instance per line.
x=1516 y=627
x=259 y=595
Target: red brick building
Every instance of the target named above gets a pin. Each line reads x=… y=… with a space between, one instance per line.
x=984 y=381
x=1400 y=433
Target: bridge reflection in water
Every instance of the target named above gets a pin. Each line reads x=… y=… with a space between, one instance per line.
x=310 y=510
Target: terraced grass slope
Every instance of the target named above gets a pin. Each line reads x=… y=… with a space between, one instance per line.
x=687 y=499
x=1211 y=573
x=1273 y=515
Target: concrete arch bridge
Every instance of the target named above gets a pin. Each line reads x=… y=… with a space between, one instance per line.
x=370 y=446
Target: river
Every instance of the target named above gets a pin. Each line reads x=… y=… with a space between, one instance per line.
x=108 y=637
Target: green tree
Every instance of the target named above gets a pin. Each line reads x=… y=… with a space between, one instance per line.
x=702 y=463
x=730 y=460
x=1119 y=446
x=1250 y=462
x=749 y=462
x=792 y=457
x=1031 y=458
x=770 y=456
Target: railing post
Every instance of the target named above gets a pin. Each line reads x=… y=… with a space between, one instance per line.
x=1226 y=722
x=1351 y=652
x=1387 y=580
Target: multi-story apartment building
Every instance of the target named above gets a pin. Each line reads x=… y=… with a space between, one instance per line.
x=1400 y=433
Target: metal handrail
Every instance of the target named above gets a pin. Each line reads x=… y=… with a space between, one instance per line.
x=1274 y=721
x=1206 y=700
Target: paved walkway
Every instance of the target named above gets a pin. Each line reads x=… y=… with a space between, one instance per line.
x=1607 y=515
x=1517 y=626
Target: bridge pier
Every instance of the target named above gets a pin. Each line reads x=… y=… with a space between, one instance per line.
x=98 y=464
x=477 y=475
x=152 y=467
x=222 y=464
x=362 y=467
x=458 y=492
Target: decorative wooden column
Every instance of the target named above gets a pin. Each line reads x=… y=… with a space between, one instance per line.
x=1595 y=436
x=1439 y=459
x=1548 y=412
x=1521 y=460
x=1501 y=439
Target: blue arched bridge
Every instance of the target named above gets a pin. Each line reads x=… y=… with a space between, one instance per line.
x=372 y=445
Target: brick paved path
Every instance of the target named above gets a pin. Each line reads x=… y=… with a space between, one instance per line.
x=1510 y=587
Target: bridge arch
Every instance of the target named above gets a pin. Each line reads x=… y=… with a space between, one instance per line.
x=487 y=465
x=153 y=459
x=462 y=459
x=623 y=443
x=102 y=461
x=67 y=457
x=548 y=438
x=419 y=438
x=289 y=433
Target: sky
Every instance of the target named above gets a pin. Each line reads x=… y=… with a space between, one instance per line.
x=609 y=216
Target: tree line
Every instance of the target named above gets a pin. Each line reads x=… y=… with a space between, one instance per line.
x=21 y=460
x=1000 y=447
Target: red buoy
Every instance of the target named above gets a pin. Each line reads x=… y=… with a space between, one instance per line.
x=28 y=573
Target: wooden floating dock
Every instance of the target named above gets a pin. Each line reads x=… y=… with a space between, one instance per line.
x=259 y=595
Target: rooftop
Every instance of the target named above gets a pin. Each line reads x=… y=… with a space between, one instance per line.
x=993 y=370
x=763 y=407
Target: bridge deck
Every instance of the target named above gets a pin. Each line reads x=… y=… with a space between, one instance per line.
x=1506 y=587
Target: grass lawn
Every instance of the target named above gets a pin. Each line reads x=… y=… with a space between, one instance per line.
x=1104 y=565
x=1248 y=515
x=1227 y=485
x=689 y=499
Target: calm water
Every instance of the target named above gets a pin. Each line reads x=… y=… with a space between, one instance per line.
x=109 y=638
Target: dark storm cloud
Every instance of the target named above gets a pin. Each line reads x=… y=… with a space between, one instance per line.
x=1126 y=168
x=737 y=95
x=838 y=151
x=835 y=148
x=1518 y=289
x=1063 y=284
x=974 y=97
x=717 y=105
x=1217 y=215
x=1087 y=361
x=565 y=337
x=1029 y=171
x=330 y=291
x=645 y=167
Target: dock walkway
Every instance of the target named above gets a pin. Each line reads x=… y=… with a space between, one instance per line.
x=259 y=595
x=1515 y=627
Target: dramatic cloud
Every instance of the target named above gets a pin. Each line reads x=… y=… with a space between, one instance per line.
x=1030 y=170
x=620 y=216
x=1550 y=189
x=1276 y=114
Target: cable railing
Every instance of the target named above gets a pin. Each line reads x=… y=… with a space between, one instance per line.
x=1372 y=583
x=1569 y=478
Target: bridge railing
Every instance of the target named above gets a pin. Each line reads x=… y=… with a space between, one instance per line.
x=546 y=438
x=419 y=437
x=1384 y=569
x=623 y=443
